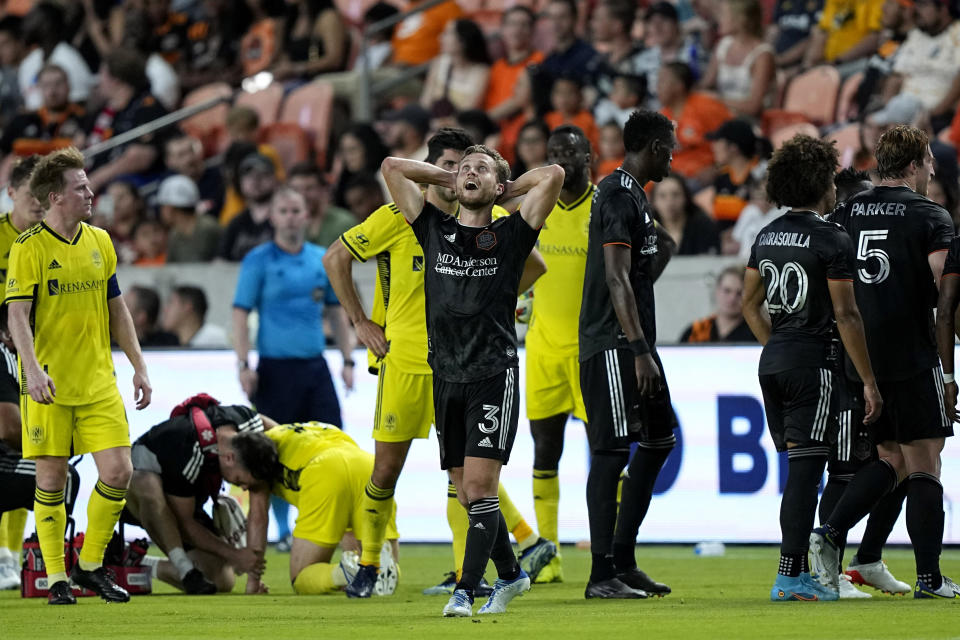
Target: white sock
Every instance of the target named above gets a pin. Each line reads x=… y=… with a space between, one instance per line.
x=529 y=541
x=153 y=562
x=339 y=577
x=180 y=560
x=6 y=556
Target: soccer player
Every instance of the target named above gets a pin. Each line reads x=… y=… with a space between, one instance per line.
x=553 y=371
x=396 y=336
x=625 y=393
x=175 y=471
x=801 y=266
x=902 y=240
x=26 y=212
x=321 y=470
x=65 y=306
x=473 y=269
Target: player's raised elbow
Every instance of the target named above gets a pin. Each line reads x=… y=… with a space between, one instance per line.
x=390 y=166
x=555 y=176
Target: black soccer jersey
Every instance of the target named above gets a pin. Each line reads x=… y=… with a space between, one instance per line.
x=184 y=469
x=9 y=376
x=894 y=231
x=620 y=214
x=796 y=255
x=470 y=282
x=952 y=265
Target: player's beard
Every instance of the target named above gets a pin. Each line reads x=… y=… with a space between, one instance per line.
x=446 y=194
x=477 y=199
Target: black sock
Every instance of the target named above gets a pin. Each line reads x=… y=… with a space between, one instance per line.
x=502 y=553
x=804 y=564
x=605 y=468
x=798 y=506
x=791 y=564
x=828 y=501
x=925 y=525
x=484 y=516
x=867 y=487
x=880 y=524
x=635 y=497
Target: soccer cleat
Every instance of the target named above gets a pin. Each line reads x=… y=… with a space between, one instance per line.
x=483 y=590
x=446 y=587
x=196 y=584
x=349 y=565
x=876 y=575
x=460 y=605
x=9 y=575
x=824 y=559
x=802 y=588
x=612 y=589
x=389 y=575
x=848 y=591
x=948 y=590
x=284 y=544
x=637 y=579
x=60 y=593
x=363 y=582
x=504 y=591
x=553 y=572
x=101 y=582
x=535 y=557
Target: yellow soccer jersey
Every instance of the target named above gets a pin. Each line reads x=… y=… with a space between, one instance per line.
x=398 y=301
x=298 y=444
x=557 y=294
x=8 y=233
x=69 y=282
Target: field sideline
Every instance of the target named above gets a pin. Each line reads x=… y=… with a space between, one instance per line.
x=724 y=597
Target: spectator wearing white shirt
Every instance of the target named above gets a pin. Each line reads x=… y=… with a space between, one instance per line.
x=185 y=316
x=42 y=28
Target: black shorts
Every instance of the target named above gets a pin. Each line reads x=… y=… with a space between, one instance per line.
x=854 y=446
x=297 y=390
x=616 y=414
x=18 y=478
x=801 y=406
x=913 y=409
x=476 y=419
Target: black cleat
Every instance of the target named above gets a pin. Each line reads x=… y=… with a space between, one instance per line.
x=483 y=590
x=196 y=584
x=363 y=582
x=637 y=579
x=612 y=589
x=60 y=593
x=101 y=582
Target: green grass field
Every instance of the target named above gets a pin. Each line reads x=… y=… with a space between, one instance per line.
x=722 y=597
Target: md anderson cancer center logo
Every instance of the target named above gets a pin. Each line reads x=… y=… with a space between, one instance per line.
x=56 y=288
x=451 y=265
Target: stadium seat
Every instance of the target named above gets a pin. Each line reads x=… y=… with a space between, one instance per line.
x=814 y=94
x=783 y=134
x=310 y=108
x=848 y=142
x=847 y=93
x=292 y=143
x=208 y=125
x=266 y=102
x=774 y=119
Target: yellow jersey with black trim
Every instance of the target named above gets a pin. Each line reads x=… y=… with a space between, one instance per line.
x=69 y=282
x=8 y=233
x=557 y=293
x=299 y=443
x=398 y=299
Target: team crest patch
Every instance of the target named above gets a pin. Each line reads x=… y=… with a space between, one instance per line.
x=391 y=422
x=36 y=434
x=486 y=240
x=97 y=258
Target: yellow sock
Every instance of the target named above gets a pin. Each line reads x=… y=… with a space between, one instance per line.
x=377 y=506
x=4 y=524
x=14 y=522
x=522 y=533
x=103 y=512
x=320 y=577
x=459 y=524
x=546 y=501
x=51 y=517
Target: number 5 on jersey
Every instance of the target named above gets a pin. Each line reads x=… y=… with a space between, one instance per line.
x=865 y=252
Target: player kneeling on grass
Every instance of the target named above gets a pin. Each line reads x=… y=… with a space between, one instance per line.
x=320 y=470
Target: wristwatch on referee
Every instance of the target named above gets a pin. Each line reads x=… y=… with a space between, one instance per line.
x=242 y=366
x=349 y=362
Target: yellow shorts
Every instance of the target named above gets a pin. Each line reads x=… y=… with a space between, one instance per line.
x=404 y=408
x=68 y=430
x=553 y=387
x=331 y=493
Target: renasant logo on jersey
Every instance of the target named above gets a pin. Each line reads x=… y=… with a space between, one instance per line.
x=54 y=288
x=451 y=265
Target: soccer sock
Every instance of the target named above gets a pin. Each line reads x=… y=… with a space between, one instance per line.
x=376 y=504
x=522 y=533
x=4 y=521
x=51 y=516
x=546 y=502
x=831 y=495
x=605 y=468
x=103 y=512
x=867 y=487
x=925 y=525
x=281 y=511
x=153 y=562
x=459 y=524
x=14 y=522
x=319 y=577
x=880 y=524
x=502 y=554
x=636 y=492
x=485 y=518
x=798 y=506
x=180 y=561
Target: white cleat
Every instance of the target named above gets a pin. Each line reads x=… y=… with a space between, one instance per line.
x=850 y=592
x=349 y=565
x=460 y=605
x=9 y=576
x=824 y=560
x=504 y=591
x=389 y=574
x=876 y=575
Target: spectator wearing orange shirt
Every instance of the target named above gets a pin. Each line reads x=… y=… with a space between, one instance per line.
x=508 y=101
x=417 y=39
x=566 y=97
x=261 y=45
x=735 y=150
x=696 y=114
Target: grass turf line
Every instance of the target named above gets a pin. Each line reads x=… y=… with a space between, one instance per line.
x=719 y=597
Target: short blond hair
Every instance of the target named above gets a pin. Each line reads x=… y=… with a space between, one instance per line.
x=48 y=178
